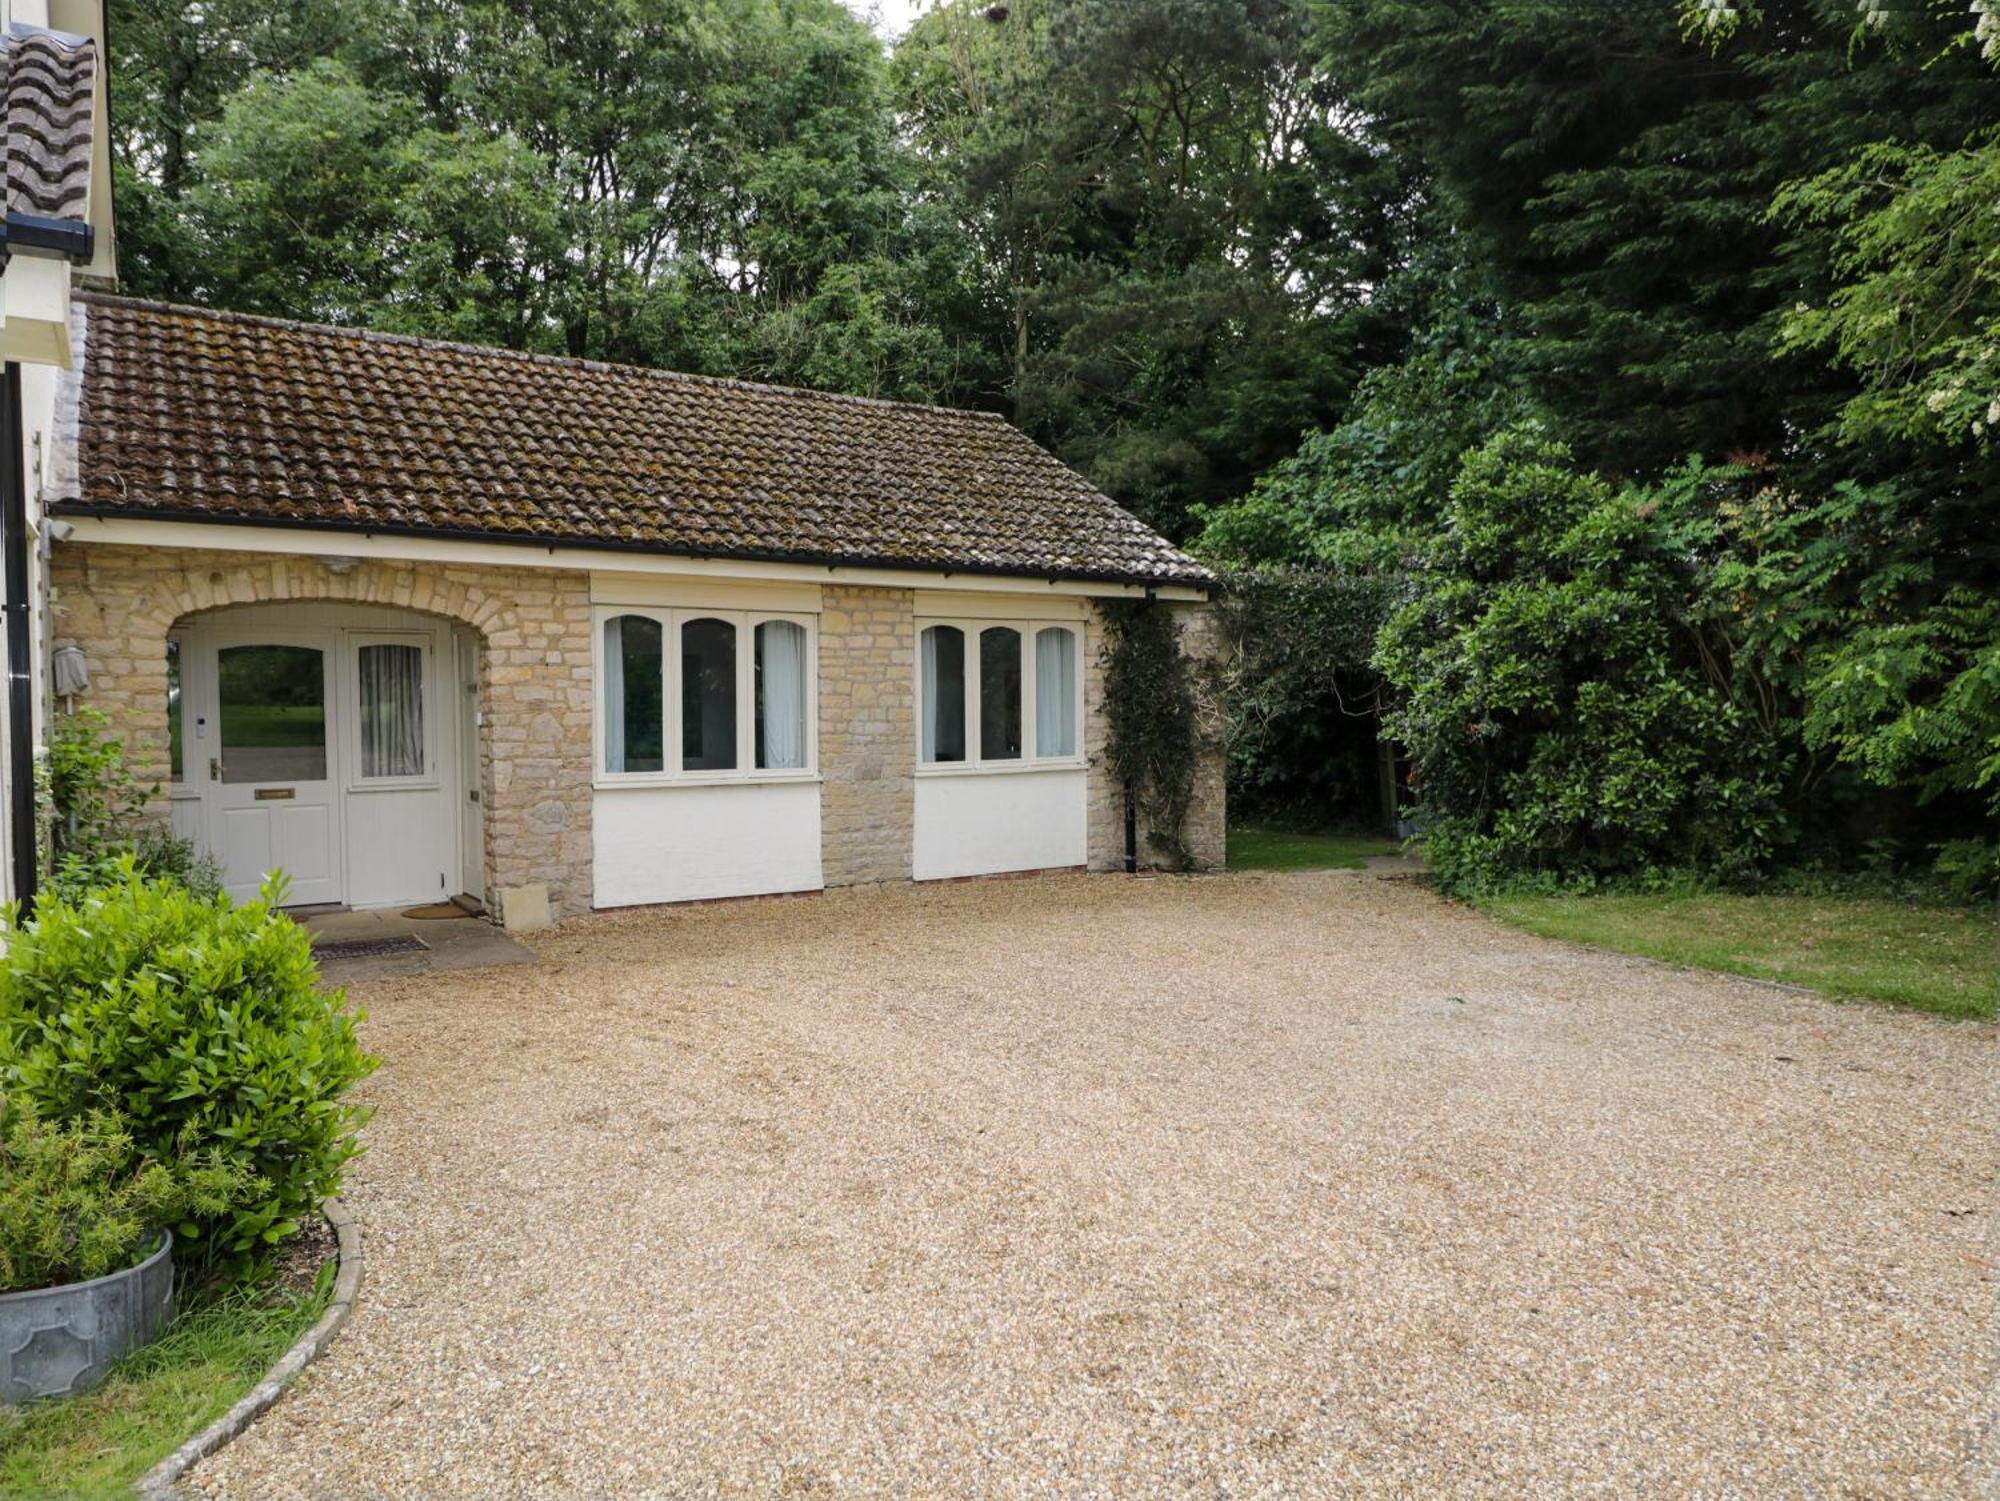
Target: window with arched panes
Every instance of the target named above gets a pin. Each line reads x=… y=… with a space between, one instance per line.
x=998 y=694
x=704 y=695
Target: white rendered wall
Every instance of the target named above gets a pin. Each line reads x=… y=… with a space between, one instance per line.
x=695 y=841
x=981 y=823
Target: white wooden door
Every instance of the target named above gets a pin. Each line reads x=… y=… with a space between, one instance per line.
x=271 y=800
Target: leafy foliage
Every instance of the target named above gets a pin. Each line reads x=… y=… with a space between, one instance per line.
x=93 y=798
x=1153 y=740
x=1304 y=699
x=202 y=1024
x=1550 y=692
x=1916 y=308
x=93 y=806
x=77 y=1201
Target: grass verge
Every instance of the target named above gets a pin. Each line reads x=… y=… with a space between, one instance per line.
x=1269 y=849
x=97 y=1445
x=1940 y=959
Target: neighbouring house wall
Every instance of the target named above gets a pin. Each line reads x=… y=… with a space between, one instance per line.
x=1206 y=828
x=118 y=603
x=867 y=733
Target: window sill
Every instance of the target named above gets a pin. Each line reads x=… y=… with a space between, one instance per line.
x=649 y=782
x=998 y=768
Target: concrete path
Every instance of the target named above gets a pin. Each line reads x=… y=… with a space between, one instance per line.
x=445 y=944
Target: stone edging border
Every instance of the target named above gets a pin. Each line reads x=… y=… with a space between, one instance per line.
x=157 y=1484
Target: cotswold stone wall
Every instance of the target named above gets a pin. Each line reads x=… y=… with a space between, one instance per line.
x=1206 y=822
x=118 y=604
x=867 y=733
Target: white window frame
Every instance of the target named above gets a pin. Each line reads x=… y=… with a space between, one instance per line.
x=671 y=619
x=350 y=701
x=186 y=785
x=1027 y=760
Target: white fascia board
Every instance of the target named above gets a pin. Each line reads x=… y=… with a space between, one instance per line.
x=34 y=330
x=395 y=547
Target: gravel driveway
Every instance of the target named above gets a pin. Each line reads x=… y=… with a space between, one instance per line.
x=1247 y=1186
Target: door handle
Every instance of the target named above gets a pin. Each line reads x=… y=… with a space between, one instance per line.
x=215 y=768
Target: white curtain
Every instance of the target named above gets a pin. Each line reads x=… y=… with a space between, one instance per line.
x=392 y=711
x=781 y=707
x=614 y=693
x=1055 y=692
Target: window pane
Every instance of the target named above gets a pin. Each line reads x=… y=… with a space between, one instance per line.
x=273 y=713
x=781 y=695
x=942 y=654
x=999 y=693
x=392 y=710
x=174 y=710
x=708 y=696
x=1055 y=692
x=634 y=694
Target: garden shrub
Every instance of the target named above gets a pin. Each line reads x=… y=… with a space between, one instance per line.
x=1569 y=718
x=203 y=1024
x=94 y=800
x=94 y=806
x=78 y=1201
x=154 y=853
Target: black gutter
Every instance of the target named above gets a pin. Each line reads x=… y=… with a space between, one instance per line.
x=19 y=622
x=71 y=238
x=611 y=545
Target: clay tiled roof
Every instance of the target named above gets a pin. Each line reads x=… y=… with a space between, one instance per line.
x=48 y=103
x=202 y=416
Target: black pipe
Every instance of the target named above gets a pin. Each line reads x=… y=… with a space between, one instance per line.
x=19 y=622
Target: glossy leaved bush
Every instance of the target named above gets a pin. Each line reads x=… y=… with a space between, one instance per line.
x=203 y=1025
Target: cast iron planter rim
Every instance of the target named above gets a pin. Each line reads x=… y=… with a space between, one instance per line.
x=165 y=1247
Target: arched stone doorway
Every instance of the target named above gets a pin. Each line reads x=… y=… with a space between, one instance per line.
x=522 y=635
x=332 y=740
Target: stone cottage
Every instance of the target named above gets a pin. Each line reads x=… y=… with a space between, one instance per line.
x=415 y=621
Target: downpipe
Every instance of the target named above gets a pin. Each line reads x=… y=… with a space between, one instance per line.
x=18 y=624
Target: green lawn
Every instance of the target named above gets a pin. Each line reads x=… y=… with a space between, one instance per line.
x=1940 y=959
x=273 y=724
x=1267 y=849
x=97 y=1445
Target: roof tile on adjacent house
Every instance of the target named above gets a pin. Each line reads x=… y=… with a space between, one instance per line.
x=48 y=120
x=203 y=416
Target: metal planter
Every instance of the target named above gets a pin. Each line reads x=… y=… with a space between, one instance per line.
x=57 y=1341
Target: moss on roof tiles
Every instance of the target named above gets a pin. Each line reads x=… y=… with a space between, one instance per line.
x=195 y=415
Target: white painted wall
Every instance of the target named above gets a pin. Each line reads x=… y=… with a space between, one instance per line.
x=980 y=823
x=694 y=841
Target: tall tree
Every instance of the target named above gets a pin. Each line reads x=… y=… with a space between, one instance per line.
x=1179 y=228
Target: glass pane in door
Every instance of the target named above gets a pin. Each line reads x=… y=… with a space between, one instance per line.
x=392 y=710
x=273 y=702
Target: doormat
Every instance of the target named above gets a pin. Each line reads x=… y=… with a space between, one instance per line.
x=437 y=909
x=368 y=948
